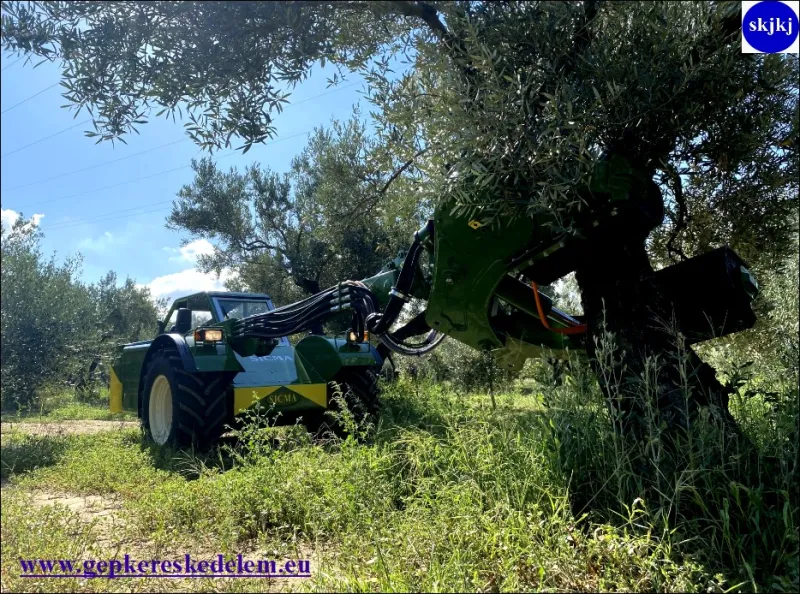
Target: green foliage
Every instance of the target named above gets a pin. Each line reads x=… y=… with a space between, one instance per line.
x=517 y=100
x=459 y=366
x=65 y=406
x=295 y=234
x=23 y=453
x=764 y=363
x=55 y=330
x=126 y=312
x=46 y=318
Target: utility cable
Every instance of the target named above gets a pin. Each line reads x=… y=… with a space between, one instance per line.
x=28 y=99
x=102 y=218
x=7 y=66
x=60 y=175
x=130 y=181
x=41 y=181
x=16 y=150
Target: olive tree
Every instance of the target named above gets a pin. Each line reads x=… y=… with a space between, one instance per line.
x=46 y=318
x=55 y=330
x=293 y=234
x=505 y=107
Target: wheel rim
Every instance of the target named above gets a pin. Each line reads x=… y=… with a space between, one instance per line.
x=160 y=410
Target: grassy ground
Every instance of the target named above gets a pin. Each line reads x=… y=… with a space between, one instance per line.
x=448 y=493
x=63 y=406
x=75 y=411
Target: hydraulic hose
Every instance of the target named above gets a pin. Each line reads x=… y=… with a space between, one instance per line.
x=303 y=315
x=432 y=340
x=347 y=295
x=379 y=323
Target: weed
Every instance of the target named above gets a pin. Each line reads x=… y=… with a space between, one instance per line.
x=449 y=493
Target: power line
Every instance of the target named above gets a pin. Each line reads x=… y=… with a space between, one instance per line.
x=322 y=94
x=60 y=175
x=130 y=181
x=29 y=98
x=7 y=66
x=102 y=217
x=78 y=223
x=45 y=138
x=41 y=181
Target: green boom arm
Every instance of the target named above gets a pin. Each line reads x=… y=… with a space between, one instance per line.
x=473 y=279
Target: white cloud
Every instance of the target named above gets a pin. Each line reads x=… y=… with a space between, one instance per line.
x=187 y=282
x=99 y=244
x=8 y=217
x=190 y=251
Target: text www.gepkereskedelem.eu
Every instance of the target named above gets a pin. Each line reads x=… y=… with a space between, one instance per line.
x=182 y=567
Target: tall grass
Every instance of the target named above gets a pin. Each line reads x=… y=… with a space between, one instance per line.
x=447 y=492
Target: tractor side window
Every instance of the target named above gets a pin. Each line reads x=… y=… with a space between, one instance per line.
x=239 y=309
x=200 y=317
x=252 y=308
x=172 y=319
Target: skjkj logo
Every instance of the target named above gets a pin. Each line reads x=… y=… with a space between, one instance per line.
x=770 y=27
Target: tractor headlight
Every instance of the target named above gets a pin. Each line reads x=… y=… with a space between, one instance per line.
x=208 y=335
x=353 y=337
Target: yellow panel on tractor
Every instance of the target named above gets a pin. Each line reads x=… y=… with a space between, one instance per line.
x=316 y=393
x=244 y=398
x=115 y=393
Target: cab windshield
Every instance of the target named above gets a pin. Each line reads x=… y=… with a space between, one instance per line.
x=240 y=308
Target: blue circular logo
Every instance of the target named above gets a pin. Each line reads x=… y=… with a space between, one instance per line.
x=770 y=27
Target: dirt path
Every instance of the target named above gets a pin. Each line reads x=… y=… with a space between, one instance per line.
x=67 y=427
x=103 y=518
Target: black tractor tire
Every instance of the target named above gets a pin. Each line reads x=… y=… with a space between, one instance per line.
x=361 y=393
x=625 y=310
x=183 y=409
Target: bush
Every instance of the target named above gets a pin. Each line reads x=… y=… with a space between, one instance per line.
x=56 y=331
x=462 y=367
x=47 y=317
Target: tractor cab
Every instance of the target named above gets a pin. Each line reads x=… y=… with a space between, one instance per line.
x=207 y=308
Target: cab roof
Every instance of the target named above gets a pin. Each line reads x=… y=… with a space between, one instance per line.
x=229 y=294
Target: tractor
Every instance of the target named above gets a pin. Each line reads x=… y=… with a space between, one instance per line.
x=219 y=354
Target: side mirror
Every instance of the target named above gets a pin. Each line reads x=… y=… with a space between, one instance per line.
x=161 y=326
x=183 y=321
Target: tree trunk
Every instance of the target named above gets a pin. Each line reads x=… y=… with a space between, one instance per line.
x=646 y=370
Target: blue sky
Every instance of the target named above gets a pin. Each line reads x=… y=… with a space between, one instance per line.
x=122 y=228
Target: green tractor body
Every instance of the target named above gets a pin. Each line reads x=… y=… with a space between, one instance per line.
x=232 y=376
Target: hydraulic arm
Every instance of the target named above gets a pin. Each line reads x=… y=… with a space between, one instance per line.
x=480 y=280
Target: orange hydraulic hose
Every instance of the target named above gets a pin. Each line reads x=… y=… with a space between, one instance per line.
x=579 y=329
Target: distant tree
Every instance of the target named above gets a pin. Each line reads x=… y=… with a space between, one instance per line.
x=46 y=318
x=313 y=226
x=127 y=313
x=122 y=314
x=55 y=330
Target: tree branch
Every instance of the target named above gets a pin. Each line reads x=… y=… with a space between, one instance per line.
x=680 y=224
x=420 y=10
x=427 y=13
x=374 y=197
x=399 y=171
x=257 y=244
